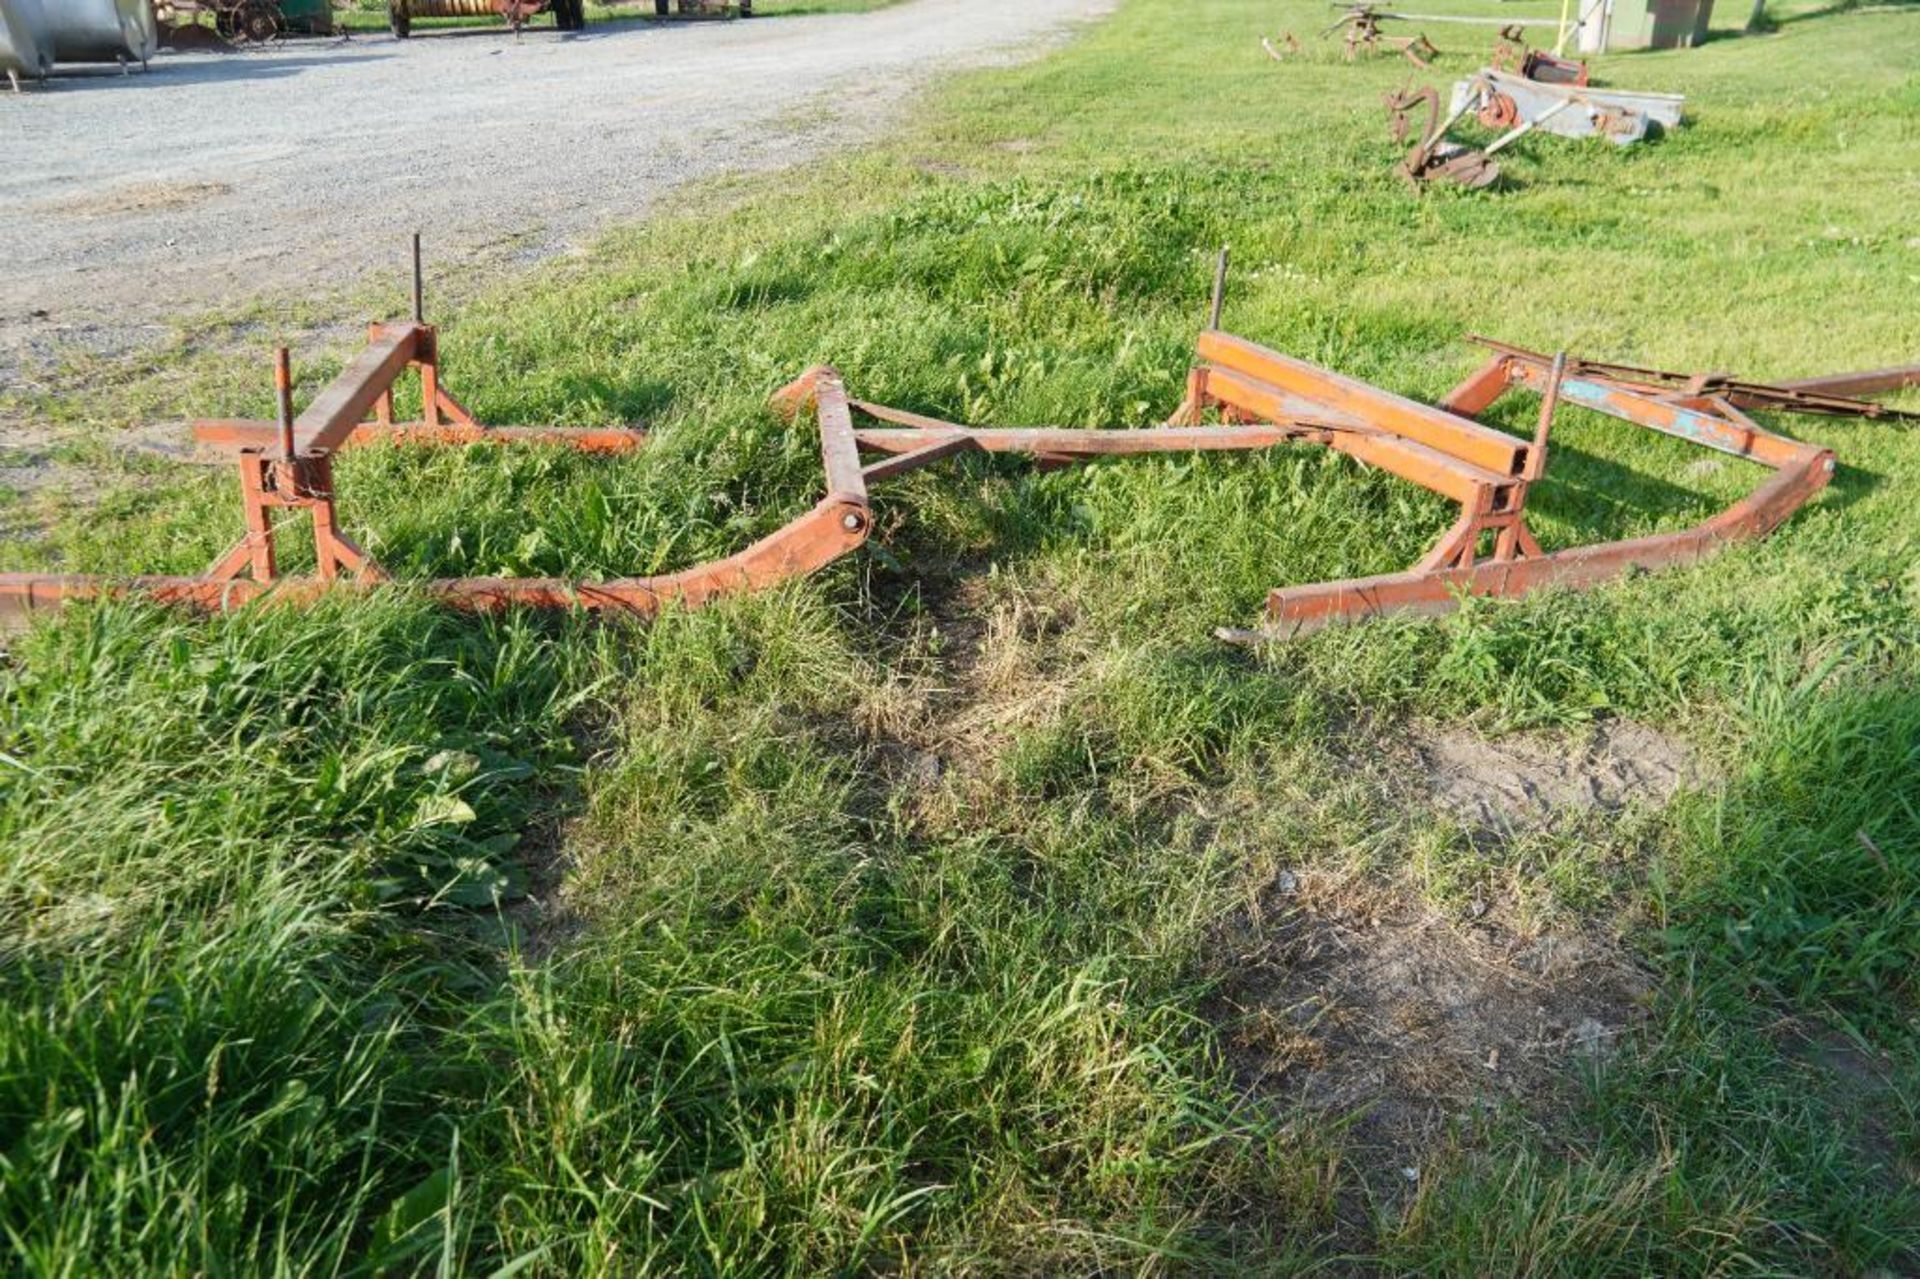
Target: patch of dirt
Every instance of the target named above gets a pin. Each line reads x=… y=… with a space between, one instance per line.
x=27 y=461
x=1358 y=1000
x=138 y=197
x=1517 y=781
x=1355 y=998
x=30 y=476
x=1350 y=998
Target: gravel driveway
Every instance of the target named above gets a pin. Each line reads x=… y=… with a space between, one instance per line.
x=225 y=178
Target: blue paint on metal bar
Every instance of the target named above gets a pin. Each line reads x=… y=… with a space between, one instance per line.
x=1685 y=423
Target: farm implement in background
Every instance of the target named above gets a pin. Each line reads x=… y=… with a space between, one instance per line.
x=241 y=21
x=1514 y=105
x=1362 y=33
x=568 y=15
x=1240 y=397
x=703 y=8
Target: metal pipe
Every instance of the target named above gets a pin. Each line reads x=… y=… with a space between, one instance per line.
x=419 y=284
x=1526 y=126
x=1867 y=382
x=1472 y=103
x=1462 y=19
x=1219 y=290
x=283 y=387
x=1379 y=13
x=1549 y=401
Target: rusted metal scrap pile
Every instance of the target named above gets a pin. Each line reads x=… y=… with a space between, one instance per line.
x=1363 y=35
x=1523 y=91
x=1240 y=396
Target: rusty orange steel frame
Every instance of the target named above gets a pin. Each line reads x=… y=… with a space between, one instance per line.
x=1240 y=396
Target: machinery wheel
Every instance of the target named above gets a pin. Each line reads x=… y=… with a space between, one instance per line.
x=1499 y=112
x=399 y=19
x=261 y=22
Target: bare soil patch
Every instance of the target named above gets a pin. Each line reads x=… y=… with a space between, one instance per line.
x=1350 y=996
x=1499 y=784
x=1354 y=999
x=137 y=197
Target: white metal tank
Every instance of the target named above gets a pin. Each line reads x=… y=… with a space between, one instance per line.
x=25 y=50
x=101 y=30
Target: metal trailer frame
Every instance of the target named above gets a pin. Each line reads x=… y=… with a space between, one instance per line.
x=288 y=465
x=568 y=15
x=742 y=8
x=1257 y=399
x=1490 y=552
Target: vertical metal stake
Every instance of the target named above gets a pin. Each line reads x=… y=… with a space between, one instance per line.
x=1549 y=401
x=283 y=387
x=419 y=285
x=1219 y=290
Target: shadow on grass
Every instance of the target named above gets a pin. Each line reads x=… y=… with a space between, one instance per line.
x=315 y=862
x=1608 y=500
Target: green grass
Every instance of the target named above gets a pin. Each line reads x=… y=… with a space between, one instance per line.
x=275 y=997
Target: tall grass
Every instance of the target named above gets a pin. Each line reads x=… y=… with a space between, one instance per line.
x=371 y=939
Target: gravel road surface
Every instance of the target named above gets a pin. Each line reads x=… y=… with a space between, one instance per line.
x=223 y=178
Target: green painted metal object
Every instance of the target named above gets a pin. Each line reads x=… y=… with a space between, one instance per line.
x=1658 y=24
x=308 y=17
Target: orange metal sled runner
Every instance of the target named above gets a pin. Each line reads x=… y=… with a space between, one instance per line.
x=1241 y=396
